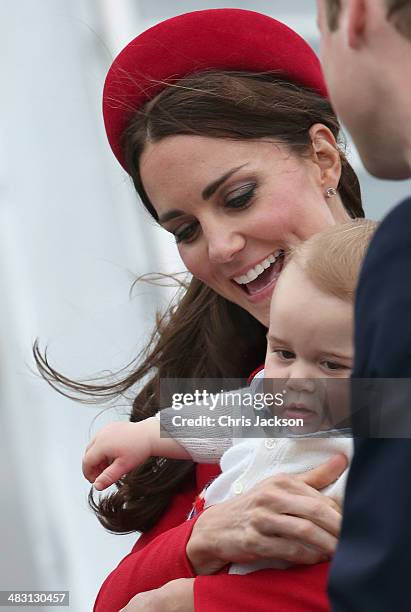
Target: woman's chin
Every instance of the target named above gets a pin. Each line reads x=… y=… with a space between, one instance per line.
x=257 y=304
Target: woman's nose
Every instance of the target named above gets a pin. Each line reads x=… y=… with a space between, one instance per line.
x=223 y=245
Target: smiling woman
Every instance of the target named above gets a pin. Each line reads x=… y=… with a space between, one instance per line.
x=232 y=230
x=236 y=155
x=260 y=176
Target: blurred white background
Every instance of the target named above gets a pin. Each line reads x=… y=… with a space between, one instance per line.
x=72 y=239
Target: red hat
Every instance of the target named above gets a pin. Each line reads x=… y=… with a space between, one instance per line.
x=225 y=39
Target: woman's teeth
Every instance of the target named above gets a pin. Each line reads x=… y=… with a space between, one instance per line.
x=255 y=272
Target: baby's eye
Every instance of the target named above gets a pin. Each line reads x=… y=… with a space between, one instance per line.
x=332 y=365
x=284 y=355
x=241 y=197
x=187 y=232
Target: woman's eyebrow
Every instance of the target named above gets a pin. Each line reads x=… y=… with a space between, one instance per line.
x=205 y=194
x=212 y=187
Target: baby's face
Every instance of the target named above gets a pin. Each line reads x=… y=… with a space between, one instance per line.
x=309 y=338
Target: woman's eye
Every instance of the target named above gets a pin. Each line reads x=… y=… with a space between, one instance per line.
x=187 y=233
x=284 y=355
x=241 y=197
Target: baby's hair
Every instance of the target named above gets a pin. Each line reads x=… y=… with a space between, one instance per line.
x=333 y=258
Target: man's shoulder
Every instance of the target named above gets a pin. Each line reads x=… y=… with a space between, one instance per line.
x=397 y=217
x=393 y=234
x=383 y=300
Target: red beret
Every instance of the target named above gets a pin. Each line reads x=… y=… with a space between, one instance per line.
x=226 y=39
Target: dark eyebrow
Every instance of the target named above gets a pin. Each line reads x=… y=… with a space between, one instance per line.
x=205 y=194
x=212 y=187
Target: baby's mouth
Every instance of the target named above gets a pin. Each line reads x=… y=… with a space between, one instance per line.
x=299 y=411
x=262 y=275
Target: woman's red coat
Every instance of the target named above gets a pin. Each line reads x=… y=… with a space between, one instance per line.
x=160 y=556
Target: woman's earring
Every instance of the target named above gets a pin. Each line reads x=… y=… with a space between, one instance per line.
x=331 y=191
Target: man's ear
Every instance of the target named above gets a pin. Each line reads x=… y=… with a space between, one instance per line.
x=356 y=12
x=326 y=155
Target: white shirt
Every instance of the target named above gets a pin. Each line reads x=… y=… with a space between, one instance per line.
x=247 y=461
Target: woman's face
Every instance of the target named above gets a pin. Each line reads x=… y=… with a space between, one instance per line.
x=234 y=207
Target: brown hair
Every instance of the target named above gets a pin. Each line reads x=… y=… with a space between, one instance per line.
x=195 y=338
x=398 y=12
x=333 y=258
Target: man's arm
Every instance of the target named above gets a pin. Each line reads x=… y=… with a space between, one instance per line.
x=372 y=565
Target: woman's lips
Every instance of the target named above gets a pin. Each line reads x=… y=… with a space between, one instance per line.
x=261 y=295
x=257 y=293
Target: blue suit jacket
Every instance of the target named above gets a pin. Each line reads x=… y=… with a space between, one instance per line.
x=372 y=567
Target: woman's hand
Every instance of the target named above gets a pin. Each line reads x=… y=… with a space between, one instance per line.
x=175 y=596
x=283 y=517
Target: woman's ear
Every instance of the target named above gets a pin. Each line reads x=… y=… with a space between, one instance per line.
x=326 y=155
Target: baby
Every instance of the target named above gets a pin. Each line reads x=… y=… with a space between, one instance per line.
x=309 y=347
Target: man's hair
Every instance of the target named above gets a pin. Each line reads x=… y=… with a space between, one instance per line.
x=333 y=258
x=398 y=12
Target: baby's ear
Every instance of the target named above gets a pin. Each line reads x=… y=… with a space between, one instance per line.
x=326 y=155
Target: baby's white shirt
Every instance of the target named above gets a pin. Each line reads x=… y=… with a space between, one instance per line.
x=252 y=460
x=247 y=461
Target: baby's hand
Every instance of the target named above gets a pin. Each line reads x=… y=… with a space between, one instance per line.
x=116 y=450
